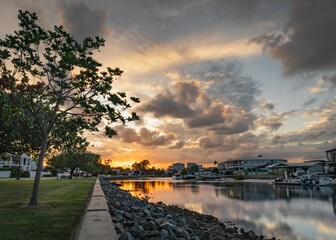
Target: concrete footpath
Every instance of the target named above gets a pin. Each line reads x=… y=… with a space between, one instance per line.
x=96 y=223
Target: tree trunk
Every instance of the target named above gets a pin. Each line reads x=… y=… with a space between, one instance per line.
x=18 y=172
x=33 y=199
x=72 y=172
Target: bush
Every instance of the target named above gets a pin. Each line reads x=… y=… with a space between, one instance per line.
x=54 y=172
x=239 y=177
x=228 y=172
x=47 y=175
x=14 y=172
x=25 y=174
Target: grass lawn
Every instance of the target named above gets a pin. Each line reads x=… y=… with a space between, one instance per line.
x=62 y=203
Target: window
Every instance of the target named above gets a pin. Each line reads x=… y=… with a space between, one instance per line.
x=28 y=162
x=24 y=161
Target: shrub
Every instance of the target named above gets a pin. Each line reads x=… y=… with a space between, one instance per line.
x=228 y=172
x=14 y=172
x=25 y=174
x=239 y=177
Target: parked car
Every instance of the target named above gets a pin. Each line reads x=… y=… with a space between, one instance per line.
x=63 y=175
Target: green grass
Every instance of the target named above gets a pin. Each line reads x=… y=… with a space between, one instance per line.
x=62 y=202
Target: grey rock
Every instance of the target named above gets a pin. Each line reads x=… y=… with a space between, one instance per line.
x=118 y=227
x=152 y=234
x=166 y=225
x=150 y=225
x=147 y=212
x=129 y=216
x=126 y=236
x=159 y=221
x=181 y=233
x=137 y=231
x=195 y=238
x=164 y=234
x=118 y=218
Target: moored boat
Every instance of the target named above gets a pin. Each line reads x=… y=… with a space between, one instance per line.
x=177 y=176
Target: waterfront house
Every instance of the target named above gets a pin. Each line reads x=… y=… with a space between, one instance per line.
x=316 y=166
x=331 y=154
x=250 y=166
x=331 y=160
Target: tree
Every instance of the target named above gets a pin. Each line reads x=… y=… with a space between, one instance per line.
x=142 y=166
x=53 y=79
x=86 y=161
x=19 y=138
x=194 y=168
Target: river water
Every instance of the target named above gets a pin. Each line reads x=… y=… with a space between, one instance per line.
x=286 y=212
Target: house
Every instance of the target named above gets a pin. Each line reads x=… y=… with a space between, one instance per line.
x=178 y=166
x=331 y=154
x=251 y=166
x=331 y=160
x=25 y=162
x=316 y=166
x=190 y=165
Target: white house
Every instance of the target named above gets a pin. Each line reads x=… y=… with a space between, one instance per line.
x=25 y=162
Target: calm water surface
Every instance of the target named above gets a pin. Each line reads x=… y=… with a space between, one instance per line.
x=287 y=212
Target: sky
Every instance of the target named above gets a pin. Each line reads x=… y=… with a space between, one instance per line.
x=217 y=79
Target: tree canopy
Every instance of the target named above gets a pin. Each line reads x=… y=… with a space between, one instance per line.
x=142 y=166
x=84 y=160
x=54 y=80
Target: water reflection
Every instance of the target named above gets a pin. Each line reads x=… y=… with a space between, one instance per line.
x=287 y=212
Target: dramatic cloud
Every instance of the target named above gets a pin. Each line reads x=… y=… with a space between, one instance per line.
x=183 y=101
x=227 y=83
x=178 y=145
x=82 y=21
x=308 y=41
x=167 y=105
x=331 y=80
x=144 y=137
x=268 y=106
x=274 y=121
x=310 y=102
x=154 y=138
x=212 y=116
x=206 y=142
x=212 y=94
x=235 y=123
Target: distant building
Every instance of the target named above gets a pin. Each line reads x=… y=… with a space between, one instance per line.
x=251 y=166
x=25 y=162
x=178 y=166
x=331 y=154
x=189 y=165
x=316 y=166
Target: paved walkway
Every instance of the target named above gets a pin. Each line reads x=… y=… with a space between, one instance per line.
x=96 y=222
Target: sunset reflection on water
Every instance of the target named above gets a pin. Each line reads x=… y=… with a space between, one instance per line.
x=282 y=211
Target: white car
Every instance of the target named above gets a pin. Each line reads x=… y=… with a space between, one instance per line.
x=63 y=175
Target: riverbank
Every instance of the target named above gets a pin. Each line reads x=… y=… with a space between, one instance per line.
x=136 y=218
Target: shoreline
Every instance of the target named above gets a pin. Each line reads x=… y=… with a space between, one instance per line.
x=136 y=218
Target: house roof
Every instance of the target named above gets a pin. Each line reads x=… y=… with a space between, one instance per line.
x=331 y=150
x=305 y=164
x=277 y=165
x=246 y=159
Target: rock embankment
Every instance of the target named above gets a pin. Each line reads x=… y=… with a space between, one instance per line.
x=136 y=218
